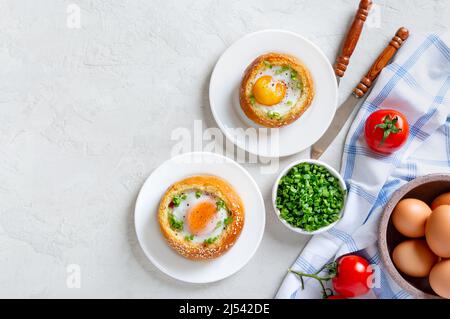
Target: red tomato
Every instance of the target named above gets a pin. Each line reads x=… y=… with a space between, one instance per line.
x=353 y=276
x=386 y=131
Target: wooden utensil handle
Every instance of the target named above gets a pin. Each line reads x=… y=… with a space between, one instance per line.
x=384 y=58
x=352 y=38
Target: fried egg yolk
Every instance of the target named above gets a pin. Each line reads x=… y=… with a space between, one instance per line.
x=201 y=217
x=269 y=92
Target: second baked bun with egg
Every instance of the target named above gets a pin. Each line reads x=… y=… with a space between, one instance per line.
x=276 y=90
x=201 y=217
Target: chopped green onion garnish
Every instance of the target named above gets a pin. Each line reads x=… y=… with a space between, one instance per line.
x=267 y=64
x=211 y=240
x=221 y=204
x=227 y=221
x=174 y=223
x=273 y=115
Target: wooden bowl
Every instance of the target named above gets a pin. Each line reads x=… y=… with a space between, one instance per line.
x=425 y=188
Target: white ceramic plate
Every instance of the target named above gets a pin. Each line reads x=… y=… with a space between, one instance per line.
x=154 y=244
x=224 y=94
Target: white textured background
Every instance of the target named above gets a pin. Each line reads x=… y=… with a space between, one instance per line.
x=86 y=115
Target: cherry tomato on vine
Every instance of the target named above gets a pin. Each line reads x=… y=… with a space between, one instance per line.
x=353 y=276
x=386 y=131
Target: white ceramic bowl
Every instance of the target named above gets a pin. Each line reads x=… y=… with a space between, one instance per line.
x=275 y=189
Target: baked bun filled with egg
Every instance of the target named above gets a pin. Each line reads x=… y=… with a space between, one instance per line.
x=201 y=217
x=276 y=90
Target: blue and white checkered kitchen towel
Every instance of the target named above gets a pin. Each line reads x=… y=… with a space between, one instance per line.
x=417 y=84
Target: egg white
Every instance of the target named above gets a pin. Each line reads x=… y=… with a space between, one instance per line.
x=293 y=93
x=191 y=200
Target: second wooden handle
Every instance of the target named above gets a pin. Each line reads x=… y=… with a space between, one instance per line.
x=352 y=38
x=384 y=58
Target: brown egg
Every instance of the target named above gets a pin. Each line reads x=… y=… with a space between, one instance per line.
x=440 y=279
x=438 y=231
x=443 y=199
x=414 y=258
x=410 y=216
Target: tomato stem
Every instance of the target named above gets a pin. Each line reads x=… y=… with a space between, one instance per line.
x=389 y=127
x=300 y=274
x=332 y=273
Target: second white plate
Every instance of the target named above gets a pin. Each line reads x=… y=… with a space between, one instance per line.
x=153 y=242
x=224 y=94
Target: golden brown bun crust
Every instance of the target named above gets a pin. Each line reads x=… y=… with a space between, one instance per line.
x=297 y=110
x=217 y=187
